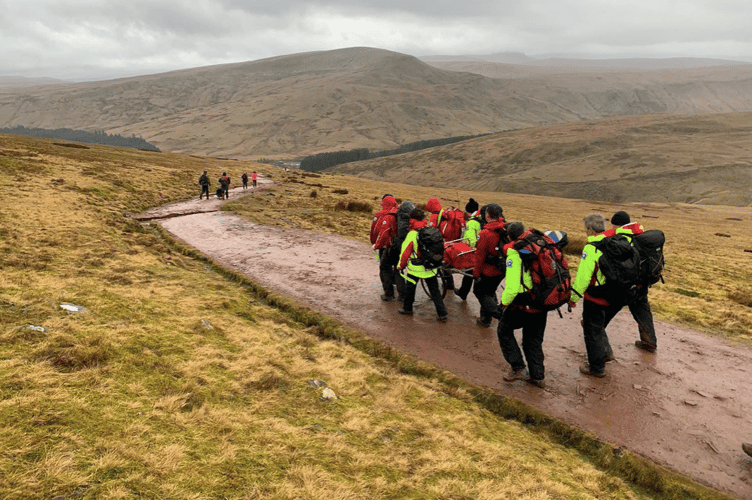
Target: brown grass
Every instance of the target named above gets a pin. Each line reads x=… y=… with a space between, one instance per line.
x=184 y=380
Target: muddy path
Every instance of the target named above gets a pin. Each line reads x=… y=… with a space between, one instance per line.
x=687 y=407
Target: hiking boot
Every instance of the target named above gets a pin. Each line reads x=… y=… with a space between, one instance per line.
x=443 y=319
x=747 y=447
x=485 y=323
x=644 y=346
x=387 y=298
x=402 y=310
x=610 y=357
x=537 y=383
x=518 y=374
x=585 y=368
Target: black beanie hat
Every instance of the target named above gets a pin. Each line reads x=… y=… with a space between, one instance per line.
x=472 y=206
x=620 y=218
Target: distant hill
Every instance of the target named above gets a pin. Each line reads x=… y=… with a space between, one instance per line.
x=694 y=159
x=21 y=81
x=301 y=104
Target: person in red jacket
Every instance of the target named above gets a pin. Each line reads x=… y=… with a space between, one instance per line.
x=383 y=231
x=488 y=276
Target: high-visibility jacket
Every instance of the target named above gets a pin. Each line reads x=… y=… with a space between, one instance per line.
x=472 y=230
x=518 y=280
x=410 y=251
x=588 y=275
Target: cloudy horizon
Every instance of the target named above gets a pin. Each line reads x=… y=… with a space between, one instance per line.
x=94 y=39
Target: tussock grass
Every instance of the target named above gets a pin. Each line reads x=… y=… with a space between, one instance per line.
x=185 y=380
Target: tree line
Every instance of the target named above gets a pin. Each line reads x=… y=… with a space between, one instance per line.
x=321 y=161
x=98 y=137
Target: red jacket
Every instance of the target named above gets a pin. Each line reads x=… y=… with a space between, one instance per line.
x=631 y=228
x=408 y=250
x=383 y=227
x=434 y=206
x=488 y=240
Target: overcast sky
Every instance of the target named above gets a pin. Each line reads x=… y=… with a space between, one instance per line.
x=98 y=39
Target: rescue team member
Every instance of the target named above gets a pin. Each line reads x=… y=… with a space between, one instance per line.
x=383 y=232
x=516 y=315
x=204 y=182
x=596 y=311
x=437 y=214
x=640 y=307
x=254 y=178
x=487 y=276
x=472 y=230
x=415 y=272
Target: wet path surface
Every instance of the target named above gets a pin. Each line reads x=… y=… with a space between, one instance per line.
x=688 y=407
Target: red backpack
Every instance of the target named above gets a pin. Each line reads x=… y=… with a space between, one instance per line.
x=548 y=268
x=452 y=224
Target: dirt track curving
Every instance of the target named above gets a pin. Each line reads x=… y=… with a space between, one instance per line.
x=687 y=407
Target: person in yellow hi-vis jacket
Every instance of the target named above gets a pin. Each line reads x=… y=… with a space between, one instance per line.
x=597 y=312
x=472 y=230
x=516 y=314
x=413 y=271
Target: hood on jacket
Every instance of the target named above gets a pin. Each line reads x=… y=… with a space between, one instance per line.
x=388 y=202
x=433 y=205
x=417 y=224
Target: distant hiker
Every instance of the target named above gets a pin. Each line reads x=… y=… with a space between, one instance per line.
x=244 y=178
x=597 y=311
x=487 y=275
x=517 y=313
x=472 y=230
x=417 y=263
x=224 y=183
x=639 y=307
x=383 y=234
x=204 y=182
x=254 y=178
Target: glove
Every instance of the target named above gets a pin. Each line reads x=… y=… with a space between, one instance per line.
x=571 y=305
x=477 y=280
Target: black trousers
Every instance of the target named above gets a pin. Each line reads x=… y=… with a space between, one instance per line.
x=595 y=319
x=204 y=191
x=467 y=285
x=642 y=314
x=485 y=291
x=408 y=296
x=533 y=326
x=387 y=272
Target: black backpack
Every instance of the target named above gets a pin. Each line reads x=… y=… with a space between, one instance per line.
x=650 y=247
x=403 y=227
x=620 y=264
x=499 y=260
x=430 y=248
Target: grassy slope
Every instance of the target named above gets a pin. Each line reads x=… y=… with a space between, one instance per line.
x=184 y=381
x=686 y=159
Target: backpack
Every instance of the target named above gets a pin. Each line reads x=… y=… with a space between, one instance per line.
x=452 y=224
x=244 y=177
x=549 y=270
x=649 y=245
x=383 y=225
x=430 y=248
x=224 y=181
x=403 y=219
x=203 y=180
x=499 y=260
x=620 y=264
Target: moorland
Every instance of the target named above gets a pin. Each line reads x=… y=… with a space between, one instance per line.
x=178 y=366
